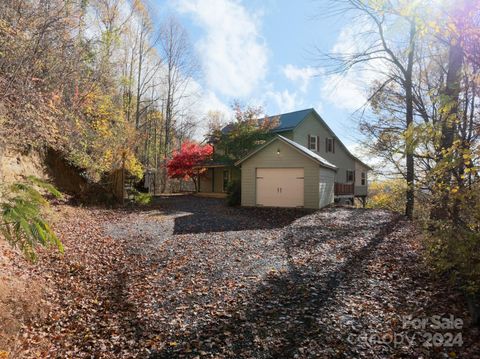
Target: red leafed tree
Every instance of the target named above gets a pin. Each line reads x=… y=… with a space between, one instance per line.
x=183 y=163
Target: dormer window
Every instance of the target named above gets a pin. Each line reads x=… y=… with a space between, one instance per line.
x=330 y=145
x=313 y=143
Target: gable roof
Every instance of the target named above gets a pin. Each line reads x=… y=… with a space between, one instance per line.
x=303 y=150
x=286 y=121
x=289 y=121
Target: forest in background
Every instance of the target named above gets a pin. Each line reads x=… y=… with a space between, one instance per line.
x=98 y=81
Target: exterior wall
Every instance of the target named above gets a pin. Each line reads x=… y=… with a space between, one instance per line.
x=288 y=158
x=206 y=181
x=312 y=126
x=326 y=187
x=213 y=180
x=218 y=179
x=359 y=189
x=287 y=134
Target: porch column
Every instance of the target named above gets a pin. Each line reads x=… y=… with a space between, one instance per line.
x=198 y=180
x=213 y=179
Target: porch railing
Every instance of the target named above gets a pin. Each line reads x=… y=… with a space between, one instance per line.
x=342 y=189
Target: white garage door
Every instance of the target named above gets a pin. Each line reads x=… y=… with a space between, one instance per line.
x=280 y=187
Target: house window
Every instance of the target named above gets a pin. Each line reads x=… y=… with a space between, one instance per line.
x=364 y=179
x=226 y=179
x=330 y=145
x=312 y=142
x=350 y=176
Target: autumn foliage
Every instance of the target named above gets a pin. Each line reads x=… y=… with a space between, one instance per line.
x=184 y=162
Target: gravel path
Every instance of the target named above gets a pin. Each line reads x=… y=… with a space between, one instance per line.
x=190 y=278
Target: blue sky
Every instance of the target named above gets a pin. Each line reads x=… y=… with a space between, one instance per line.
x=266 y=53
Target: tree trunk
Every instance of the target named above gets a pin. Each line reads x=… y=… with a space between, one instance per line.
x=451 y=98
x=139 y=78
x=409 y=148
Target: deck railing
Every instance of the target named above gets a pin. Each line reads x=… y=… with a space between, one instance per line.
x=343 y=189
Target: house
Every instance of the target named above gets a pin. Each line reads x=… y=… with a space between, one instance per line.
x=303 y=165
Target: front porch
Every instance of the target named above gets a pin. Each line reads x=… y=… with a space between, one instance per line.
x=349 y=192
x=213 y=179
x=344 y=189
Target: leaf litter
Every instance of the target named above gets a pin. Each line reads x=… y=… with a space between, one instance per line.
x=192 y=278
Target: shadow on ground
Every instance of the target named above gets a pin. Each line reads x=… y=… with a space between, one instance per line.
x=284 y=317
x=203 y=215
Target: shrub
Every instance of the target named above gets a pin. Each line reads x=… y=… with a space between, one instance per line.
x=234 y=193
x=453 y=244
x=456 y=252
x=387 y=194
x=22 y=222
x=143 y=198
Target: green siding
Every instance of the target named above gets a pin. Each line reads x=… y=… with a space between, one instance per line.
x=287 y=134
x=288 y=158
x=218 y=183
x=206 y=181
x=359 y=189
x=213 y=181
x=341 y=159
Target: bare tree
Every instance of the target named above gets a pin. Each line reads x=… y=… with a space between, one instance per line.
x=398 y=56
x=180 y=67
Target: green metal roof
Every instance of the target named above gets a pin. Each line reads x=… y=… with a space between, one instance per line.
x=288 y=121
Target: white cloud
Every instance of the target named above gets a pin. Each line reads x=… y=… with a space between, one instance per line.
x=234 y=56
x=344 y=91
x=210 y=102
x=350 y=90
x=201 y=105
x=300 y=75
x=284 y=100
x=318 y=107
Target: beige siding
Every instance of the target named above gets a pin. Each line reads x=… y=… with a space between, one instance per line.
x=288 y=158
x=312 y=126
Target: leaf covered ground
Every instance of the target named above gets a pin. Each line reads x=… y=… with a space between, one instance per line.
x=190 y=277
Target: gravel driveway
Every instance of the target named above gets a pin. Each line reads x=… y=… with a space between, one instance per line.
x=272 y=283
x=189 y=277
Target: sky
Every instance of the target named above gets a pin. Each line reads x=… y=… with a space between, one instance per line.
x=267 y=53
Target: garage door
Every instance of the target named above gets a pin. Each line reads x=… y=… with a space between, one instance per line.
x=280 y=187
